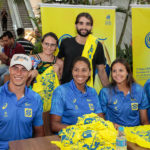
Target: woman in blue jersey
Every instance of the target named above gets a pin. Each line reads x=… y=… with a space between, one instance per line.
x=124 y=102
x=75 y=98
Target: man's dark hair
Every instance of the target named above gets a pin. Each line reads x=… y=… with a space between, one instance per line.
x=86 y=15
x=9 y=34
x=20 y=31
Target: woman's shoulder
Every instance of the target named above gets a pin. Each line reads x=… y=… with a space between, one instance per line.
x=137 y=87
x=63 y=87
x=36 y=56
x=147 y=82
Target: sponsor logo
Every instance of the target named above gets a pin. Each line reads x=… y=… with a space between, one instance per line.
x=27 y=104
x=115 y=102
x=5 y=106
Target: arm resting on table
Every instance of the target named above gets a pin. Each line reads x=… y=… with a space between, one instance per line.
x=55 y=123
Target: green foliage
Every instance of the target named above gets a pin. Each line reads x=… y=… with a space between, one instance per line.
x=125 y=53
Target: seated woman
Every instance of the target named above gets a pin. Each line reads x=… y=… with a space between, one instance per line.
x=124 y=102
x=75 y=98
x=45 y=66
x=147 y=90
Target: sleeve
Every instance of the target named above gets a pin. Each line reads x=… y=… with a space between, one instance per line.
x=61 y=53
x=98 y=108
x=57 y=105
x=147 y=89
x=38 y=120
x=144 y=100
x=99 y=54
x=103 y=99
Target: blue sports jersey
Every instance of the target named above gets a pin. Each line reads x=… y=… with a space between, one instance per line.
x=70 y=103
x=147 y=90
x=123 y=110
x=17 y=117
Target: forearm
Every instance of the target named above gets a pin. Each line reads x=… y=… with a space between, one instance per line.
x=101 y=115
x=57 y=126
x=103 y=77
x=38 y=131
x=143 y=116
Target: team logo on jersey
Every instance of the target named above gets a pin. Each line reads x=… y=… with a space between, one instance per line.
x=91 y=106
x=5 y=106
x=116 y=108
x=76 y=107
x=134 y=106
x=5 y=114
x=28 y=112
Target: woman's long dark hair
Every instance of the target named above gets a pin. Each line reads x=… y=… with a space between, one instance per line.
x=130 y=78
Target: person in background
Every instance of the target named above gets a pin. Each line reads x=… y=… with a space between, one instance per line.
x=147 y=90
x=81 y=45
x=75 y=98
x=38 y=44
x=124 y=102
x=11 y=47
x=1 y=44
x=4 y=16
x=46 y=72
x=21 y=108
x=46 y=58
x=28 y=46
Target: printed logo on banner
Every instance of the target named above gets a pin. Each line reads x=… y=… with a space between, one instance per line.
x=108 y=22
x=62 y=38
x=147 y=40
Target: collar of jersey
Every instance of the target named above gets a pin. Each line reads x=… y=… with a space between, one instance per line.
x=78 y=92
x=10 y=93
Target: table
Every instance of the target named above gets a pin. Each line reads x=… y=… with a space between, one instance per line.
x=39 y=143
x=43 y=143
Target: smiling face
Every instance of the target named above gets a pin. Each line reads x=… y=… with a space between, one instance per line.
x=18 y=75
x=49 y=45
x=119 y=73
x=84 y=27
x=80 y=73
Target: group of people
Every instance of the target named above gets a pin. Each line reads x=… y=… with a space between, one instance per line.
x=121 y=101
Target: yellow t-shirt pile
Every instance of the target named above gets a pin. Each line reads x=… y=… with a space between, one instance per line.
x=94 y=133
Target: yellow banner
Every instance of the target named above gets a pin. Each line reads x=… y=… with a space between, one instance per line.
x=141 y=43
x=60 y=19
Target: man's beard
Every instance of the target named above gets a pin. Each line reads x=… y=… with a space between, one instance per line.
x=84 y=34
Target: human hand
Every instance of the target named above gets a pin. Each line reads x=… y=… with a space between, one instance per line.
x=56 y=68
x=116 y=126
x=32 y=74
